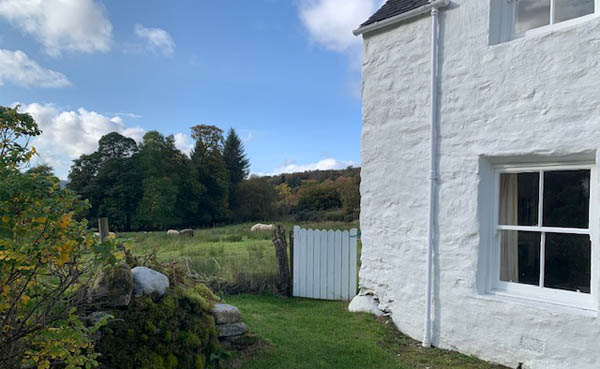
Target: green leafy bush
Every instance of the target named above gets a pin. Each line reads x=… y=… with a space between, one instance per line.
x=178 y=332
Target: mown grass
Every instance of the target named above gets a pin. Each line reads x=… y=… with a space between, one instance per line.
x=311 y=334
x=231 y=259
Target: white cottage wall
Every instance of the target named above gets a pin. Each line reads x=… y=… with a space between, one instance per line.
x=536 y=97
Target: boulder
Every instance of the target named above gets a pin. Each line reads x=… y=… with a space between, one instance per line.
x=365 y=304
x=239 y=342
x=187 y=232
x=112 y=287
x=225 y=313
x=148 y=282
x=232 y=329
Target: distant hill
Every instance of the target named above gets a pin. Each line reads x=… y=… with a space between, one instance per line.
x=294 y=180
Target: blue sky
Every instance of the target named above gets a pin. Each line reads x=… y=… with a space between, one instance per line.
x=284 y=73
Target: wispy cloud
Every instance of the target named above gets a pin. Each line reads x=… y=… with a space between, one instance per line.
x=61 y=25
x=17 y=68
x=156 y=40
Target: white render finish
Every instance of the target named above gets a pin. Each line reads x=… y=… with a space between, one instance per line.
x=534 y=99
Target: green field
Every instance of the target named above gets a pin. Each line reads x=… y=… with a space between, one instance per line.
x=231 y=259
x=313 y=334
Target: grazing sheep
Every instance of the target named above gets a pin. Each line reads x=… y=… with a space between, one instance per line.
x=262 y=227
x=173 y=232
x=110 y=234
x=187 y=232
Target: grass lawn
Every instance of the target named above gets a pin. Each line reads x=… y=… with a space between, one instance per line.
x=311 y=334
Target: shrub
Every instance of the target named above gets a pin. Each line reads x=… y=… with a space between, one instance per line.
x=45 y=256
x=176 y=332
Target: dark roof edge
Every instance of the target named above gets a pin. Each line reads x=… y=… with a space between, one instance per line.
x=437 y=4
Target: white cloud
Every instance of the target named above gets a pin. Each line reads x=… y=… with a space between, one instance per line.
x=17 y=68
x=67 y=134
x=184 y=143
x=289 y=166
x=156 y=40
x=61 y=25
x=330 y=22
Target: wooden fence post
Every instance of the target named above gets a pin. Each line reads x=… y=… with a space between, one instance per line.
x=291 y=288
x=103 y=228
x=280 y=243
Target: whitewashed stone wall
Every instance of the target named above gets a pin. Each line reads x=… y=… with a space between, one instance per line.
x=532 y=97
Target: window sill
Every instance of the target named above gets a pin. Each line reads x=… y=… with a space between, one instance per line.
x=505 y=297
x=555 y=27
x=545 y=30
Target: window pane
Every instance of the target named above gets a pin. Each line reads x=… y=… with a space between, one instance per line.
x=532 y=14
x=568 y=262
x=519 y=198
x=520 y=257
x=567 y=199
x=569 y=9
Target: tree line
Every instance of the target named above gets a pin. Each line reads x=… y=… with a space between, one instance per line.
x=153 y=185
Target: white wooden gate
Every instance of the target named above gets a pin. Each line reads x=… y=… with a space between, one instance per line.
x=325 y=264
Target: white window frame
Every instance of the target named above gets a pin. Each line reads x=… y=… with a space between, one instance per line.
x=581 y=300
x=510 y=22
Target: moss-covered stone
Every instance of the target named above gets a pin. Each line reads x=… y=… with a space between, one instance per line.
x=112 y=287
x=178 y=332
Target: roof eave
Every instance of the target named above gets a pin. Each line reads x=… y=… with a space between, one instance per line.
x=401 y=17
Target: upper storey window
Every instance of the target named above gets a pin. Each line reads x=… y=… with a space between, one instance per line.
x=510 y=19
x=532 y=14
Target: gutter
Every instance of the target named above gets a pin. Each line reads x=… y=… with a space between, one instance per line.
x=434 y=8
x=435 y=4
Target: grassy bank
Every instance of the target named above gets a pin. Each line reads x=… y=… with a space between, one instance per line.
x=311 y=334
x=230 y=259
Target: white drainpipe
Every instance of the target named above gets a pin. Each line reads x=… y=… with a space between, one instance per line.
x=432 y=172
x=432 y=7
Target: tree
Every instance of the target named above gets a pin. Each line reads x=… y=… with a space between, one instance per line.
x=109 y=179
x=237 y=165
x=16 y=130
x=46 y=256
x=210 y=169
x=44 y=170
x=257 y=200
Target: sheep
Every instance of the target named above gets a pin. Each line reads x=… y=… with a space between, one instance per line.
x=187 y=232
x=172 y=232
x=110 y=234
x=262 y=227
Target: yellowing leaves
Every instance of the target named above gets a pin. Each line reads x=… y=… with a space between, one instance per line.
x=65 y=220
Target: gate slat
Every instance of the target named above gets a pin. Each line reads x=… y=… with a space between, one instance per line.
x=353 y=263
x=301 y=269
x=323 y=264
x=338 y=265
x=310 y=275
x=330 y=265
x=296 y=262
x=345 y=264
x=316 y=292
